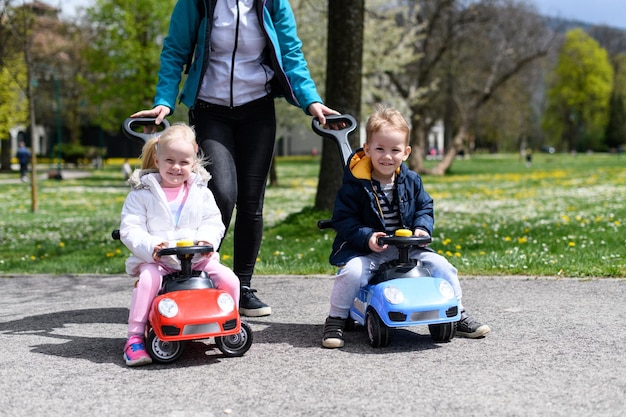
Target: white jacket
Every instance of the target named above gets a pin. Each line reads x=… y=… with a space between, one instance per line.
x=147 y=220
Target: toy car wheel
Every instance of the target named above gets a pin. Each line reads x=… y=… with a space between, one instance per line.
x=377 y=332
x=161 y=351
x=235 y=344
x=442 y=332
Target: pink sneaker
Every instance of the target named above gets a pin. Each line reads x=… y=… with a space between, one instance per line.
x=135 y=352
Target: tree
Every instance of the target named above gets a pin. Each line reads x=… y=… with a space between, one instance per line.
x=615 y=133
x=123 y=57
x=13 y=103
x=343 y=86
x=463 y=54
x=579 y=93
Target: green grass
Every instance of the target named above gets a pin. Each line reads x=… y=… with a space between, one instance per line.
x=563 y=216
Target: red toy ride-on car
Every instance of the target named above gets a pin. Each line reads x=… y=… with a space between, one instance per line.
x=189 y=307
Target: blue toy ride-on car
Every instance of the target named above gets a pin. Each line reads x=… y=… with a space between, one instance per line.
x=402 y=292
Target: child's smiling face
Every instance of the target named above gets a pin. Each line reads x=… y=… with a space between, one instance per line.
x=388 y=149
x=175 y=160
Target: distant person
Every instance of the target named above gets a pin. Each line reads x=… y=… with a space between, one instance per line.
x=379 y=195
x=23 y=156
x=169 y=201
x=529 y=157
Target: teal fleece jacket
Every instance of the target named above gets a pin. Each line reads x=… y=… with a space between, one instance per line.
x=292 y=77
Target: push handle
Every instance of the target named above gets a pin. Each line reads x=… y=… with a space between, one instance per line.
x=131 y=124
x=337 y=128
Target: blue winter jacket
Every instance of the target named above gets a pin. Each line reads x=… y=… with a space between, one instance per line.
x=292 y=77
x=357 y=214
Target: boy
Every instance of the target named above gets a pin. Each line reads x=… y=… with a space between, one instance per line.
x=380 y=195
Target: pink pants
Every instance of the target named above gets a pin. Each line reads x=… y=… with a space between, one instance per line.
x=150 y=280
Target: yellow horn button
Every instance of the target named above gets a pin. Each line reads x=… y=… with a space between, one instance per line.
x=404 y=232
x=184 y=243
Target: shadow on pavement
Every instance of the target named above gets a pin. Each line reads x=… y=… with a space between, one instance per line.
x=76 y=339
x=310 y=336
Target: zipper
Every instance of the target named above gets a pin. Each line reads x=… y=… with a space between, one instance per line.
x=232 y=65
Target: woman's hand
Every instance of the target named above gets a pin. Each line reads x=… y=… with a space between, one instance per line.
x=159 y=112
x=319 y=110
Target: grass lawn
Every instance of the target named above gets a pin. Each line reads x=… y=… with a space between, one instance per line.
x=563 y=216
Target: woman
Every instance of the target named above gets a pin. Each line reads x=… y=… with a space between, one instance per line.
x=245 y=53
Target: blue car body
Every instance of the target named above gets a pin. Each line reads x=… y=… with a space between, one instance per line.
x=423 y=302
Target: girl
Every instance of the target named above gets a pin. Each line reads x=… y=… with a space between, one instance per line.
x=169 y=201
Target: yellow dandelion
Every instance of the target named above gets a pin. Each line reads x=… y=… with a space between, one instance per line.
x=571 y=244
x=110 y=254
x=522 y=239
x=33 y=258
x=61 y=244
x=507 y=239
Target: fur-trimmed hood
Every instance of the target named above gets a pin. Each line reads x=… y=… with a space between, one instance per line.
x=135 y=180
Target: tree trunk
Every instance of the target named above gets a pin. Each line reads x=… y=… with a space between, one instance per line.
x=343 y=87
x=418 y=145
x=452 y=151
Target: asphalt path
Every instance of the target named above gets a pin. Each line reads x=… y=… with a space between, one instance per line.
x=557 y=348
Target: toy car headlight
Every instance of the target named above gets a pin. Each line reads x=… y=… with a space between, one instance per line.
x=226 y=302
x=168 y=308
x=446 y=290
x=393 y=295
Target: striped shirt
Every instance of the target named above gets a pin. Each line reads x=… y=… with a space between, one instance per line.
x=385 y=195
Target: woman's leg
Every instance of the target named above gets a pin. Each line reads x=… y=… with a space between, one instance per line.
x=216 y=139
x=240 y=145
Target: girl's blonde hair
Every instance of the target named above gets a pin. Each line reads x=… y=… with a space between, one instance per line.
x=386 y=116
x=177 y=131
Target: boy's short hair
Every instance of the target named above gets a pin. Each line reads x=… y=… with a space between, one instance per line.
x=386 y=116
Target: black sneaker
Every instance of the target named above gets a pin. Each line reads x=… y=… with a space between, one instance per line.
x=250 y=305
x=468 y=327
x=333 y=332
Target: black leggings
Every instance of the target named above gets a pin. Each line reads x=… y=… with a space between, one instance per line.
x=239 y=143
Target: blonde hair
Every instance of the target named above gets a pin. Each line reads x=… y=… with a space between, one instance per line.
x=177 y=131
x=386 y=116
